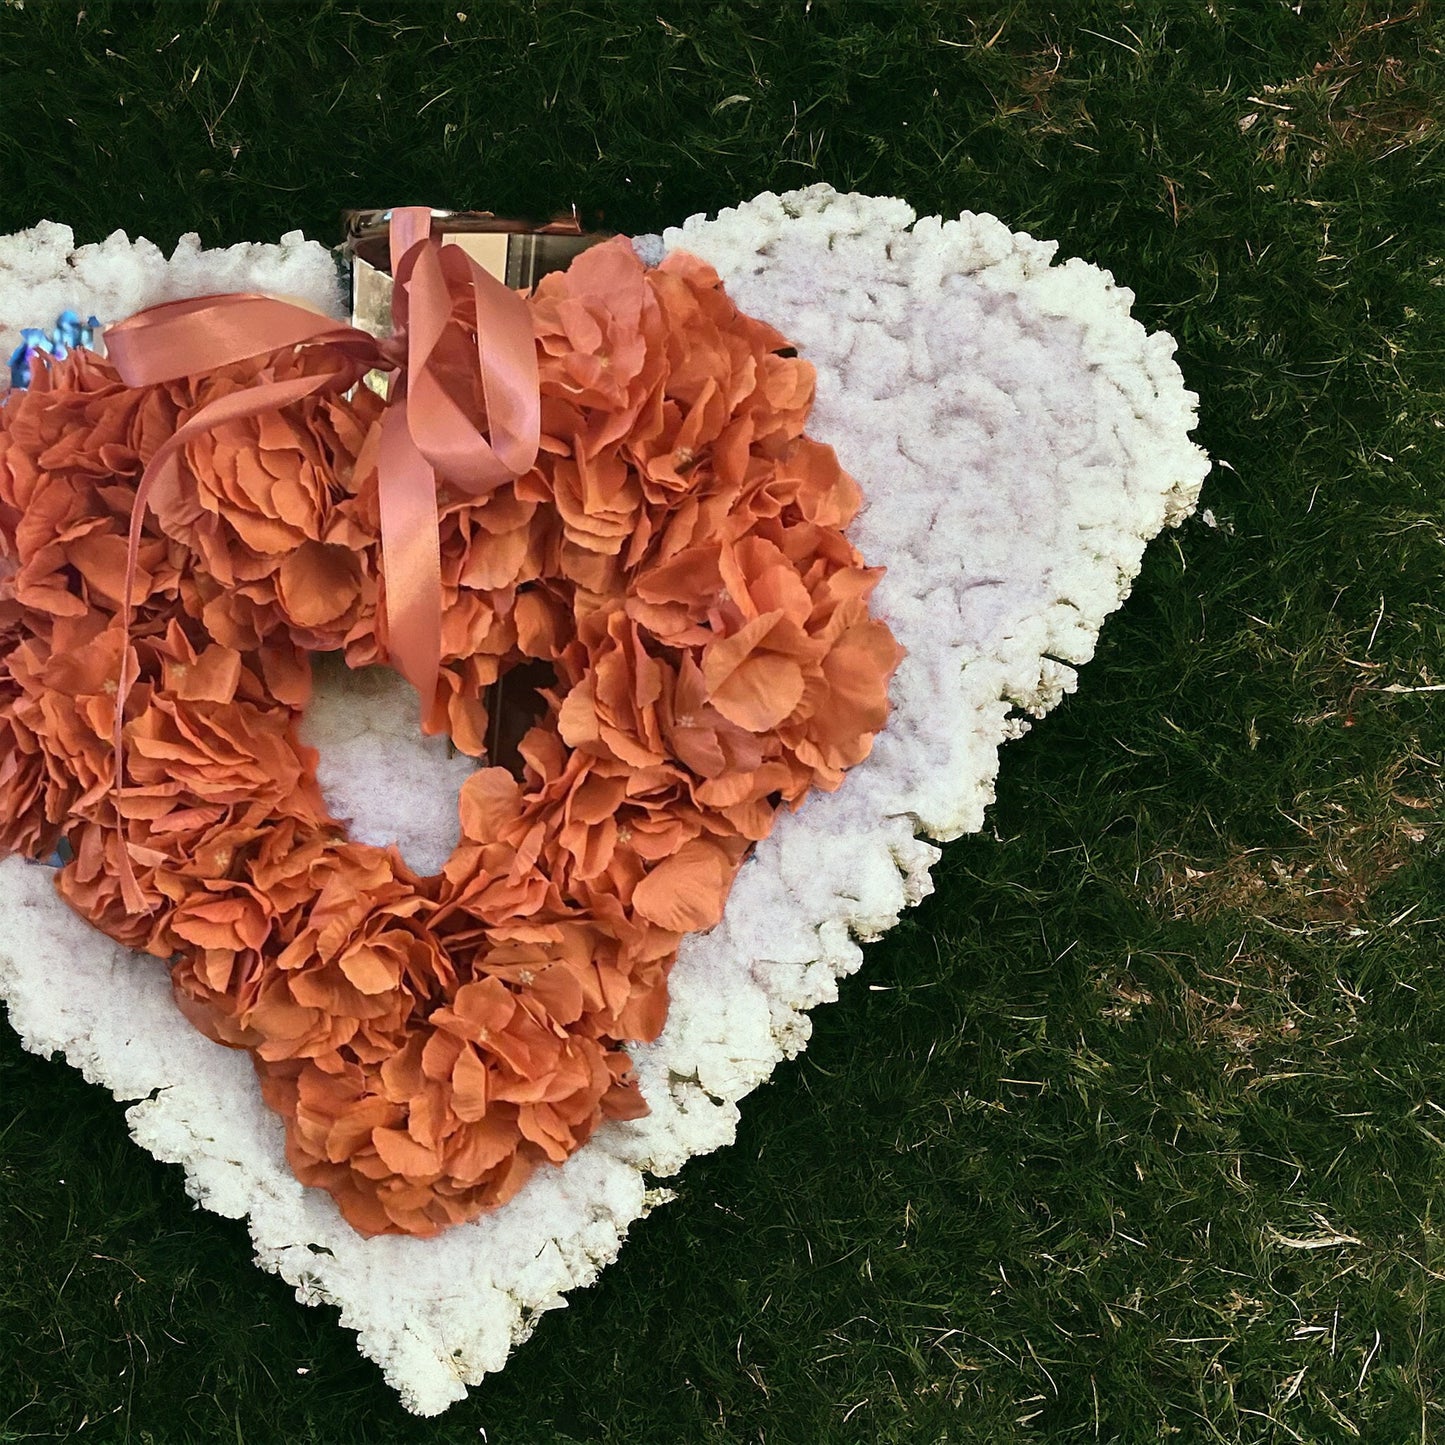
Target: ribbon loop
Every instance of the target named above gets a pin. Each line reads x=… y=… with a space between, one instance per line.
x=462 y=344
x=446 y=369
x=182 y=338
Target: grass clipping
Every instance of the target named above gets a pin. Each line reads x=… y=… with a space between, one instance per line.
x=1019 y=439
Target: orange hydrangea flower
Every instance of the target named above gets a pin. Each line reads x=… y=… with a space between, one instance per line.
x=674 y=570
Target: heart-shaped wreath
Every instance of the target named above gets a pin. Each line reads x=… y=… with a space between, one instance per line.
x=1019 y=439
x=673 y=562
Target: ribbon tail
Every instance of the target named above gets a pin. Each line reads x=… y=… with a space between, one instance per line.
x=162 y=463
x=130 y=891
x=411 y=562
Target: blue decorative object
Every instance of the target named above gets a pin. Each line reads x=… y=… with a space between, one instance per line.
x=68 y=332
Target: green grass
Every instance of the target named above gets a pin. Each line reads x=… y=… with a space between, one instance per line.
x=1065 y=1162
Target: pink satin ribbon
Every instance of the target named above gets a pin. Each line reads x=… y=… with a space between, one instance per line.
x=429 y=432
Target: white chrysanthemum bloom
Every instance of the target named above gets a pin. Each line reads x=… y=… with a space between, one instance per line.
x=1019 y=439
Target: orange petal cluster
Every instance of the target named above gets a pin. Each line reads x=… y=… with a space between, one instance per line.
x=675 y=568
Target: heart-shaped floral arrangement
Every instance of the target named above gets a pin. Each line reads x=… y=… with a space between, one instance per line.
x=1018 y=439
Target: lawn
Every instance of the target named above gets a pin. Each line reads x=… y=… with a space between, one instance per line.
x=1135 y=1130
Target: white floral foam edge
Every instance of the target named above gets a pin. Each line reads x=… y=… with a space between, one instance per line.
x=1019 y=439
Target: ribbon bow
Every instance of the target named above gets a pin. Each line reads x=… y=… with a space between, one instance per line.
x=428 y=433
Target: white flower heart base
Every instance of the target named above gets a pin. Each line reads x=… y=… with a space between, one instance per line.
x=1018 y=439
